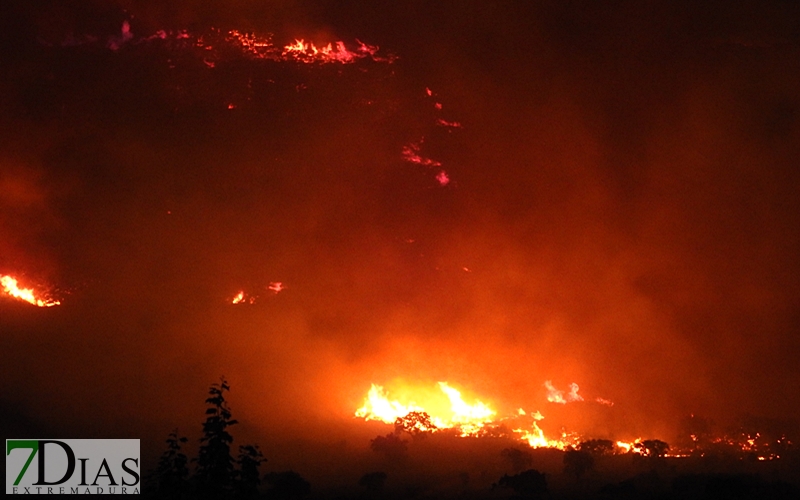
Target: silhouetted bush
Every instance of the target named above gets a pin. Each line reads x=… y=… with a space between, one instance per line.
x=598 y=447
x=390 y=445
x=528 y=484
x=652 y=448
x=373 y=481
x=519 y=459
x=287 y=485
x=577 y=463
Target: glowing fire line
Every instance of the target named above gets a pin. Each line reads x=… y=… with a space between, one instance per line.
x=12 y=288
x=477 y=418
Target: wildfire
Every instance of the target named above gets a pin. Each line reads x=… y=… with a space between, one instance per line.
x=302 y=51
x=12 y=288
x=378 y=407
x=476 y=419
x=260 y=47
x=468 y=419
x=536 y=439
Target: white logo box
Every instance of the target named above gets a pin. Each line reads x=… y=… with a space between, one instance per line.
x=99 y=466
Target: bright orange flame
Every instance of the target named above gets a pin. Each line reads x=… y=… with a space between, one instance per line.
x=625 y=446
x=468 y=419
x=243 y=298
x=536 y=439
x=11 y=287
x=378 y=407
x=474 y=419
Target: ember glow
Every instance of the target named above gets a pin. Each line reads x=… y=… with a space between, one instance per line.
x=411 y=154
x=12 y=288
x=255 y=45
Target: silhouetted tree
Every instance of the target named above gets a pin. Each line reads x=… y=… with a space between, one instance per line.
x=215 y=471
x=519 y=459
x=390 y=445
x=577 y=463
x=652 y=447
x=528 y=484
x=172 y=472
x=373 y=481
x=287 y=485
x=247 y=477
x=416 y=423
x=597 y=447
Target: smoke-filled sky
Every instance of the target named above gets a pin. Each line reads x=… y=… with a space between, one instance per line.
x=619 y=208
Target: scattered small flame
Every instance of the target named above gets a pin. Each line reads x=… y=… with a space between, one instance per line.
x=307 y=52
x=11 y=287
x=411 y=154
x=444 y=123
x=260 y=47
x=276 y=287
x=243 y=298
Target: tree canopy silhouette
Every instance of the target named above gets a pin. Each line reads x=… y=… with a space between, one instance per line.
x=597 y=446
x=528 y=484
x=172 y=472
x=416 y=423
x=215 y=465
x=389 y=445
x=217 y=474
x=652 y=447
x=247 y=477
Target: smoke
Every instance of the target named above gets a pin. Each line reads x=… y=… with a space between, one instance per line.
x=617 y=209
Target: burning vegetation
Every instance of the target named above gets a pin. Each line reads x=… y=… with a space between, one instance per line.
x=12 y=288
x=610 y=227
x=477 y=420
